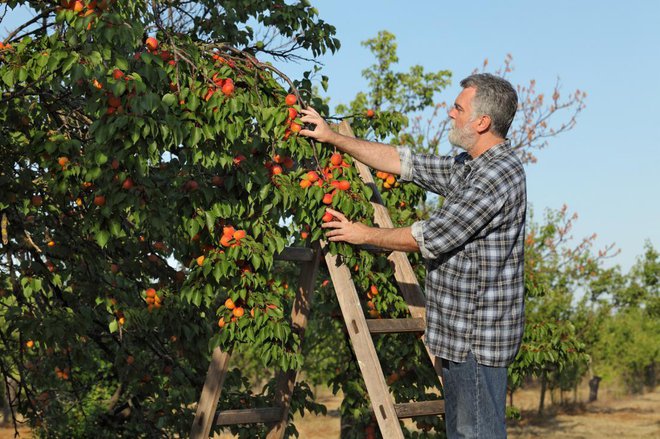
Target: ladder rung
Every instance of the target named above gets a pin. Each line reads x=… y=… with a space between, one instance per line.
x=391 y=326
x=249 y=416
x=420 y=408
x=298 y=254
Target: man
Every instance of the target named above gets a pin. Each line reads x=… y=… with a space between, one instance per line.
x=472 y=246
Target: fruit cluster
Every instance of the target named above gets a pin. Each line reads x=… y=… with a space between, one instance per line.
x=292 y=126
x=62 y=374
x=389 y=179
x=373 y=292
x=231 y=237
x=152 y=298
x=277 y=165
x=327 y=178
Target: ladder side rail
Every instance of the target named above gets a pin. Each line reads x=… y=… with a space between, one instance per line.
x=208 y=401
x=363 y=346
x=299 y=317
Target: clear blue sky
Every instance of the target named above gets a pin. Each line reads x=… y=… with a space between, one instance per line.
x=606 y=169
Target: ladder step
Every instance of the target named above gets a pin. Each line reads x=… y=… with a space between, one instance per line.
x=249 y=416
x=298 y=254
x=420 y=408
x=391 y=326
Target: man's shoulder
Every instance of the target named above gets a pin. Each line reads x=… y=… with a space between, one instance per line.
x=501 y=171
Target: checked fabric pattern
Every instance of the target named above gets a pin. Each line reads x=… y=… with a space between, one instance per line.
x=473 y=246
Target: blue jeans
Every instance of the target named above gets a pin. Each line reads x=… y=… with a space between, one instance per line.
x=475 y=399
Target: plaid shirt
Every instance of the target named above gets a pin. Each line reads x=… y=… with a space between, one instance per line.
x=473 y=246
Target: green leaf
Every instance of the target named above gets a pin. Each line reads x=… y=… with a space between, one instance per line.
x=169 y=99
x=195 y=136
x=8 y=78
x=102 y=237
x=69 y=61
x=100 y=158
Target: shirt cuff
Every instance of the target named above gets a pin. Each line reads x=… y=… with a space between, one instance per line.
x=405 y=157
x=417 y=230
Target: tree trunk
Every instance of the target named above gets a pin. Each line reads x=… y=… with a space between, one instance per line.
x=7 y=412
x=651 y=376
x=542 y=400
x=593 y=388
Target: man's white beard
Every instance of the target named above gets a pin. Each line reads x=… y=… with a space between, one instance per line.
x=463 y=138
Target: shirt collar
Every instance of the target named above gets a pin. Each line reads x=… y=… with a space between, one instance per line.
x=493 y=151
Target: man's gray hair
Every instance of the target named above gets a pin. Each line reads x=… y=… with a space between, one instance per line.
x=496 y=98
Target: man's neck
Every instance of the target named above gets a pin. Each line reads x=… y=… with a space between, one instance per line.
x=484 y=143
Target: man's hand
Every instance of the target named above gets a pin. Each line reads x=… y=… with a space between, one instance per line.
x=398 y=238
x=344 y=230
x=322 y=131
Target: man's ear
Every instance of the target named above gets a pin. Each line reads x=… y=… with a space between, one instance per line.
x=484 y=123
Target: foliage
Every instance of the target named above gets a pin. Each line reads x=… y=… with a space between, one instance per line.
x=134 y=223
x=151 y=172
x=626 y=348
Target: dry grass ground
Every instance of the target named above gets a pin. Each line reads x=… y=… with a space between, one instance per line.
x=621 y=417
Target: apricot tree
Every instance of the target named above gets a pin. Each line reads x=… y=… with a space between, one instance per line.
x=149 y=160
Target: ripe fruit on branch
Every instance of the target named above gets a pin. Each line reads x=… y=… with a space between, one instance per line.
x=312 y=176
x=127 y=184
x=370 y=113
x=200 y=260
x=295 y=128
x=239 y=159
x=99 y=200
x=238 y=312
x=239 y=234
x=293 y=113
x=229 y=304
x=62 y=161
x=114 y=101
x=327 y=217
x=150 y=292
x=290 y=100
x=344 y=185
x=336 y=159
x=228 y=87
x=305 y=183
x=151 y=43
x=276 y=170
x=327 y=199
x=117 y=74
x=191 y=185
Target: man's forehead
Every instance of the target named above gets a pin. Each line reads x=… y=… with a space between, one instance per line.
x=465 y=96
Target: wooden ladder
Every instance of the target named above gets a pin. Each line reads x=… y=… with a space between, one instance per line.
x=360 y=331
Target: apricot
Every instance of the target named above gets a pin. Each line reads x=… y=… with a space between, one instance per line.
x=151 y=43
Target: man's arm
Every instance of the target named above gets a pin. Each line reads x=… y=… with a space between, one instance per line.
x=400 y=239
x=373 y=154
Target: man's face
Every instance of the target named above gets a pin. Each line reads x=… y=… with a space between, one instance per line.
x=463 y=134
